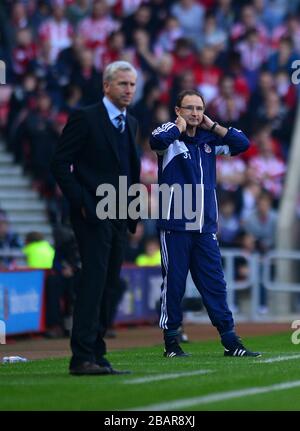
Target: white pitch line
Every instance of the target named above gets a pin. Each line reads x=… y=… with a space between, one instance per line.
x=219 y=396
x=278 y=359
x=166 y=377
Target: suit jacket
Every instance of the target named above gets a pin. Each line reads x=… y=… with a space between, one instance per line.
x=87 y=155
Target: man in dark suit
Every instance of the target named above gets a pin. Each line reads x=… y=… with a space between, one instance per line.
x=97 y=146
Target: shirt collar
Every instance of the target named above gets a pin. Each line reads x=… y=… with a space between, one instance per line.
x=112 y=110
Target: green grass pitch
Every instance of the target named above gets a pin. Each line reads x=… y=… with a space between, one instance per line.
x=46 y=384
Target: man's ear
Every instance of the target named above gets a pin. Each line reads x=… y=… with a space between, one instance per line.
x=105 y=86
x=177 y=109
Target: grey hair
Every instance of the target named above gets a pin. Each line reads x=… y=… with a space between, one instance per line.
x=114 y=67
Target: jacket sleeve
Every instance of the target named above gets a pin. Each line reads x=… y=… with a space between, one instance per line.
x=164 y=136
x=66 y=153
x=233 y=143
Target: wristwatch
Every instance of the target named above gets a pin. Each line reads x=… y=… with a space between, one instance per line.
x=213 y=126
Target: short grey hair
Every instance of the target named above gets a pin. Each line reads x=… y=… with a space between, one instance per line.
x=114 y=67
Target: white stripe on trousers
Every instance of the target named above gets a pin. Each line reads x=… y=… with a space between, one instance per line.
x=164 y=252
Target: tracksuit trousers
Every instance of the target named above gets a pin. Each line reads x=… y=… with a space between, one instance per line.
x=182 y=251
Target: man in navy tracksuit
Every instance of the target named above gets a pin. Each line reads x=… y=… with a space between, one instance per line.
x=186 y=151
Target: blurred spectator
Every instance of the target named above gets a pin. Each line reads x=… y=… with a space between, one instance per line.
x=229 y=224
x=213 y=35
x=78 y=10
x=228 y=107
x=169 y=35
x=267 y=168
x=164 y=77
x=207 y=73
x=283 y=57
x=95 y=28
x=289 y=28
x=248 y=21
x=265 y=85
x=151 y=256
x=231 y=173
x=285 y=89
x=115 y=50
x=56 y=30
x=87 y=79
x=270 y=12
x=35 y=141
x=262 y=223
x=8 y=241
x=24 y=51
x=161 y=115
x=253 y=55
x=235 y=69
x=73 y=98
x=39 y=253
x=274 y=113
x=190 y=15
x=250 y=193
x=125 y=7
x=184 y=81
x=22 y=99
x=39 y=13
x=69 y=58
x=47 y=72
x=18 y=19
x=144 y=109
x=141 y=19
x=144 y=53
x=224 y=14
x=183 y=56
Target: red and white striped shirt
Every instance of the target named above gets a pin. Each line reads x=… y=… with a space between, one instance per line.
x=95 y=32
x=58 y=34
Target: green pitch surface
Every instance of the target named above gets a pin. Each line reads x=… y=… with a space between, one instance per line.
x=204 y=381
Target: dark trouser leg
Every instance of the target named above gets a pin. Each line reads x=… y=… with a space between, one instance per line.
x=175 y=255
x=112 y=285
x=94 y=242
x=208 y=276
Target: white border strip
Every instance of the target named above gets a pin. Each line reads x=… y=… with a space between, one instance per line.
x=219 y=396
x=278 y=359
x=158 y=377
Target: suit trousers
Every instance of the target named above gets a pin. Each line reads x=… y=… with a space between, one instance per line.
x=182 y=251
x=101 y=247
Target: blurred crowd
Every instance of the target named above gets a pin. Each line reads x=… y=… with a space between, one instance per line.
x=237 y=53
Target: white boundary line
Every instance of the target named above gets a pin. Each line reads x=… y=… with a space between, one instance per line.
x=278 y=359
x=219 y=396
x=158 y=377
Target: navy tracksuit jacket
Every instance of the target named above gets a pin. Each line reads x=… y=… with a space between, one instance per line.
x=190 y=242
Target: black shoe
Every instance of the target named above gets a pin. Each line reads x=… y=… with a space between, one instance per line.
x=103 y=362
x=173 y=349
x=89 y=369
x=239 y=350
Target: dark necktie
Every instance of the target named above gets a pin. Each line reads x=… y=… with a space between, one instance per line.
x=120 y=123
